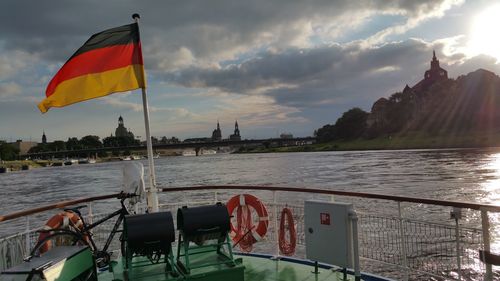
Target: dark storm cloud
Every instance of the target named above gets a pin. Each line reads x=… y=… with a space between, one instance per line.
x=311 y=75
x=189 y=43
x=206 y=28
x=349 y=75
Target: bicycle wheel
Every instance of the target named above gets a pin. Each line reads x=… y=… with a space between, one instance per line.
x=58 y=237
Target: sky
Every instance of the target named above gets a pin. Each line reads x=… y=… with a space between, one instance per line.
x=274 y=66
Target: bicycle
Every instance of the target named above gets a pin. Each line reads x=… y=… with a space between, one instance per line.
x=83 y=235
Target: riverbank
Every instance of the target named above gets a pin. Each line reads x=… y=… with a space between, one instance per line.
x=23 y=164
x=410 y=141
x=18 y=165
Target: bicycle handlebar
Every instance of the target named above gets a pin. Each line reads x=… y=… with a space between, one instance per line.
x=123 y=195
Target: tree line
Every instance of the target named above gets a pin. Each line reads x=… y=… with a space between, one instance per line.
x=351 y=125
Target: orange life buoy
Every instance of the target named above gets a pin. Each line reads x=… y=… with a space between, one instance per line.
x=66 y=219
x=245 y=233
x=287 y=248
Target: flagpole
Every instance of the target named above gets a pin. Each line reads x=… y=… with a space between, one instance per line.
x=152 y=191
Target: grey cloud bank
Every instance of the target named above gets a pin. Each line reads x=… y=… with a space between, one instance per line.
x=277 y=59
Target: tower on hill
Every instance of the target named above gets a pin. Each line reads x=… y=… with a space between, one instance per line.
x=436 y=72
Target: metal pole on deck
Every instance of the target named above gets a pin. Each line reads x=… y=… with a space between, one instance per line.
x=152 y=191
x=456 y=214
x=403 y=242
x=355 y=245
x=485 y=223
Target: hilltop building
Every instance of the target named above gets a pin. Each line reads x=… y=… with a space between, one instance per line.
x=432 y=75
x=378 y=119
x=236 y=136
x=217 y=133
x=121 y=131
x=44 y=138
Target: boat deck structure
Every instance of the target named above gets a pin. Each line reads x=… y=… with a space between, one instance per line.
x=398 y=240
x=256 y=267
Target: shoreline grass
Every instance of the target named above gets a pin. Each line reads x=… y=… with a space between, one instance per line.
x=409 y=141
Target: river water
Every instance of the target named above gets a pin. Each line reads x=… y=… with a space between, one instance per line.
x=463 y=175
x=459 y=174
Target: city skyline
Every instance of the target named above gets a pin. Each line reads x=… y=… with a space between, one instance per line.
x=276 y=67
x=121 y=125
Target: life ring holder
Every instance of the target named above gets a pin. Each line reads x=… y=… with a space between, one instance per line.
x=257 y=232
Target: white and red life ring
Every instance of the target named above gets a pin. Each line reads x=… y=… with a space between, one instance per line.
x=245 y=233
x=65 y=220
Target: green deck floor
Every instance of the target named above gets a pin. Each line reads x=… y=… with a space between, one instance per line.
x=256 y=269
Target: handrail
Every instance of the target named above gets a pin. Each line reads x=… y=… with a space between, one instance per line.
x=458 y=204
x=57 y=205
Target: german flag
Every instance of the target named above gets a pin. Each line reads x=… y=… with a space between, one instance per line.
x=109 y=62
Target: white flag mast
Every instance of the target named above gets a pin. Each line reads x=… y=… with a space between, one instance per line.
x=152 y=195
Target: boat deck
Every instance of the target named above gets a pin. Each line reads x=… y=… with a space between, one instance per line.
x=257 y=268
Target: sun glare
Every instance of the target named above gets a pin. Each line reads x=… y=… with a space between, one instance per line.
x=485 y=37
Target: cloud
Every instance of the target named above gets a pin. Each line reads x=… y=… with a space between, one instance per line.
x=267 y=63
x=333 y=78
x=416 y=12
x=118 y=101
x=299 y=77
x=254 y=111
x=8 y=90
x=208 y=32
x=13 y=62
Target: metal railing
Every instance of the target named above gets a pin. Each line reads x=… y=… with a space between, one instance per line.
x=394 y=245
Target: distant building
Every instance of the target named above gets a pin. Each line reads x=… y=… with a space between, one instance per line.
x=217 y=133
x=121 y=131
x=434 y=74
x=44 y=138
x=377 y=118
x=236 y=136
x=24 y=146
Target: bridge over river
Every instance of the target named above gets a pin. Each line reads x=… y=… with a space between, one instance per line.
x=197 y=146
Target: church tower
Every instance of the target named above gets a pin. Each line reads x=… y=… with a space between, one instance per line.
x=436 y=72
x=217 y=133
x=236 y=136
x=44 y=138
x=121 y=131
x=236 y=129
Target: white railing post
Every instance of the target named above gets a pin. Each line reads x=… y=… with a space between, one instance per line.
x=403 y=242
x=90 y=214
x=485 y=223
x=28 y=242
x=275 y=219
x=456 y=214
x=216 y=197
x=355 y=245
